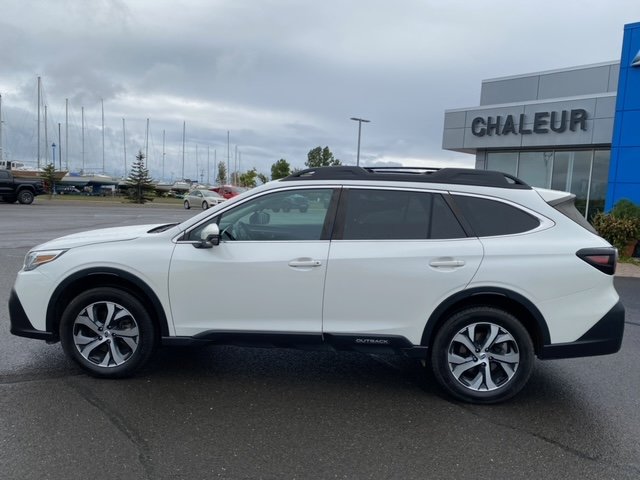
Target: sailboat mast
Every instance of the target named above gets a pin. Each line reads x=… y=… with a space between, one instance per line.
x=1 y=152
x=146 y=146
x=163 y=154
x=66 y=133
x=184 y=129
x=46 y=136
x=38 y=122
x=102 y=104
x=60 y=146
x=82 y=115
x=124 y=146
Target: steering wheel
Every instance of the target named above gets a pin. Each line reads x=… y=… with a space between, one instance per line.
x=237 y=231
x=241 y=232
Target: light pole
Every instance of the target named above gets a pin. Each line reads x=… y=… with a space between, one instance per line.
x=359 y=120
x=53 y=148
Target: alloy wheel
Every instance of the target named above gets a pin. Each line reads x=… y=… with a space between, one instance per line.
x=483 y=356
x=106 y=334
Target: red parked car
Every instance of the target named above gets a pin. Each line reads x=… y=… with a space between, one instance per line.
x=228 y=191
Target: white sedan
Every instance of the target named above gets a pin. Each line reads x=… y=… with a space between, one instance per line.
x=204 y=198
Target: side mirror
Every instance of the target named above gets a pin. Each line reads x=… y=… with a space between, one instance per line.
x=209 y=236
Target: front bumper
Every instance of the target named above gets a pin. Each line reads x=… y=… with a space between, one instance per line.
x=20 y=323
x=603 y=338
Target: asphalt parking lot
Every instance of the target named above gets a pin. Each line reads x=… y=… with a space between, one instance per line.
x=239 y=413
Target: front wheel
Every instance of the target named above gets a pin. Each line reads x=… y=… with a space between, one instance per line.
x=205 y=205
x=108 y=332
x=186 y=205
x=482 y=355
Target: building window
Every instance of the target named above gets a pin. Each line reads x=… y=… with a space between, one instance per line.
x=506 y=162
x=581 y=172
x=535 y=168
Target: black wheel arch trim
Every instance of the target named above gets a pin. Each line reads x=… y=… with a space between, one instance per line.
x=461 y=298
x=157 y=314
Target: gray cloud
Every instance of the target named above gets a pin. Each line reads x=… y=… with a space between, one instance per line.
x=282 y=76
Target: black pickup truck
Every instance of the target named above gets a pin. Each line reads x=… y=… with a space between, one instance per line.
x=20 y=189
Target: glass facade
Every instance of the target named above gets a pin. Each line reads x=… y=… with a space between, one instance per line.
x=582 y=172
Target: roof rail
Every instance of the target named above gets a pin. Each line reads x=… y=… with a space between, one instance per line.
x=458 y=176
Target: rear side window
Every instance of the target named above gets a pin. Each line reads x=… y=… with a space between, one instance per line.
x=398 y=215
x=568 y=208
x=490 y=218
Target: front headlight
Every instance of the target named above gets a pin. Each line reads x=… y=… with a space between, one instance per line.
x=35 y=259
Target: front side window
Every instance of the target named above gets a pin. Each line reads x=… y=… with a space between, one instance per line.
x=279 y=216
x=490 y=218
x=398 y=215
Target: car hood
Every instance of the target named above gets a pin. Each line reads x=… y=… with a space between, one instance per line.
x=90 y=237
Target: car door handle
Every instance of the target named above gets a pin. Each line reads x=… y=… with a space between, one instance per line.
x=448 y=263
x=304 y=263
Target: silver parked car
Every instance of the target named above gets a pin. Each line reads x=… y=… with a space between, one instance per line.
x=204 y=198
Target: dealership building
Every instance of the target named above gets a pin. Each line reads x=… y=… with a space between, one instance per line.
x=574 y=129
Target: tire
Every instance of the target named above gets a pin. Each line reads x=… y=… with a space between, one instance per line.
x=107 y=332
x=186 y=205
x=303 y=209
x=469 y=369
x=25 y=197
x=205 y=205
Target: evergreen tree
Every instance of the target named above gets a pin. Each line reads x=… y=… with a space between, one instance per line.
x=140 y=188
x=221 y=178
x=49 y=177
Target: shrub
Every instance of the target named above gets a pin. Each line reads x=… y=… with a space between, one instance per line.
x=626 y=209
x=618 y=231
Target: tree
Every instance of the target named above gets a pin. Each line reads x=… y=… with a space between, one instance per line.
x=49 y=177
x=321 y=157
x=248 y=179
x=140 y=188
x=262 y=177
x=280 y=169
x=221 y=178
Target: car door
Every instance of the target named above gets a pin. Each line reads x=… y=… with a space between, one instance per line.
x=396 y=255
x=266 y=275
x=6 y=185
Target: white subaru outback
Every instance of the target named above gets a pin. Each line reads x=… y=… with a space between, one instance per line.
x=471 y=270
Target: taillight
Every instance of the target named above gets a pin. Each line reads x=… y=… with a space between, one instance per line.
x=604 y=259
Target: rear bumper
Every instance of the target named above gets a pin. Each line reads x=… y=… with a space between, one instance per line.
x=20 y=323
x=603 y=338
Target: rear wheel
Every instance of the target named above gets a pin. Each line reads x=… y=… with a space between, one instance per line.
x=482 y=355
x=25 y=197
x=108 y=332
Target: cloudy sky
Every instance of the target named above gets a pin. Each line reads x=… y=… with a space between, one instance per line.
x=281 y=76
